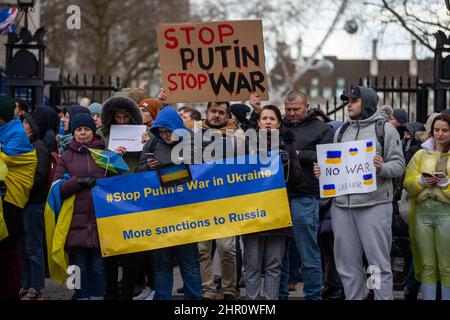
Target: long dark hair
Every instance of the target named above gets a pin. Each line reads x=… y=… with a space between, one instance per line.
x=442 y=117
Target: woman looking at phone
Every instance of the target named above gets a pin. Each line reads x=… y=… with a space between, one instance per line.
x=427 y=183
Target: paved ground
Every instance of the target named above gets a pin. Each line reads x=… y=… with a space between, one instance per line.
x=54 y=291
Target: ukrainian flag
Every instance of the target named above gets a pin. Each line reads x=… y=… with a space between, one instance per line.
x=173 y=173
x=58 y=216
x=3 y=228
x=333 y=157
x=19 y=156
x=329 y=190
x=368 y=179
x=369 y=146
x=353 y=151
x=109 y=160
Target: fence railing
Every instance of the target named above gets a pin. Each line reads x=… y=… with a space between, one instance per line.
x=409 y=94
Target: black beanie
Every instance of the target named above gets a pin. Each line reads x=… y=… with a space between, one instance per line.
x=7 y=106
x=82 y=120
x=400 y=115
x=240 y=111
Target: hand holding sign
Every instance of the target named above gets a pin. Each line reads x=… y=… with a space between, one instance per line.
x=378 y=162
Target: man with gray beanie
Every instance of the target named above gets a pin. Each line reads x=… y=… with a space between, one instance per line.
x=362 y=222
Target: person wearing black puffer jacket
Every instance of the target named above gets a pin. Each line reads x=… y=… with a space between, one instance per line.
x=264 y=251
x=32 y=244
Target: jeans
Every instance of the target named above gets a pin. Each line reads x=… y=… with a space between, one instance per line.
x=305 y=219
x=32 y=247
x=93 y=278
x=187 y=256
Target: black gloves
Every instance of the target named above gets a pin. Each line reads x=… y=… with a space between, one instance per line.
x=2 y=189
x=86 y=182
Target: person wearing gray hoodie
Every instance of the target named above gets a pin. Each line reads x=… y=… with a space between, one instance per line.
x=362 y=222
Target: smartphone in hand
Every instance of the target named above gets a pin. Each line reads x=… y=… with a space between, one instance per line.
x=440 y=175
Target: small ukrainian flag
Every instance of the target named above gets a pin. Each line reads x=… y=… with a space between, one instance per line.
x=369 y=146
x=353 y=151
x=333 y=157
x=174 y=174
x=329 y=190
x=368 y=179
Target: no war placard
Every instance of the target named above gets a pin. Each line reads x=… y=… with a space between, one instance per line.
x=214 y=61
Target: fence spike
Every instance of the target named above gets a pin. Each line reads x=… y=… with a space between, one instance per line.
x=85 y=79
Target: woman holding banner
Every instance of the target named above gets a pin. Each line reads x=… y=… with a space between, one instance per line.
x=427 y=182
x=82 y=239
x=264 y=251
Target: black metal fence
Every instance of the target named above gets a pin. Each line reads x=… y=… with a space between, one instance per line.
x=68 y=88
x=410 y=94
x=74 y=88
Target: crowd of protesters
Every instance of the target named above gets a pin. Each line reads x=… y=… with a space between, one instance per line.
x=332 y=241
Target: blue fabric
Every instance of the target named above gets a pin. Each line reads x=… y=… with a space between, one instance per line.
x=168 y=119
x=305 y=218
x=13 y=139
x=93 y=278
x=32 y=247
x=54 y=196
x=187 y=256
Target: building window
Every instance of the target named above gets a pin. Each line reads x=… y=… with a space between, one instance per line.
x=314 y=93
x=327 y=93
x=340 y=82
x=315 y=82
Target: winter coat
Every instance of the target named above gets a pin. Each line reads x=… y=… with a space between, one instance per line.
x=308 y=134
x=38 y=124
x=394 y=163
x=77 y=161
x=168 y=119
x=109 y=107
x=293 y=175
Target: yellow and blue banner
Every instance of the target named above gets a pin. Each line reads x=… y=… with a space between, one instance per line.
x=19 y=156
x=58 y=216
x=134 y=213
x=3 y=228
x=369 y=146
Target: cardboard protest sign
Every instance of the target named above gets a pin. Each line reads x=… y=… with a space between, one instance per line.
x=346 y=168
x=128 y=136
x=212 y=61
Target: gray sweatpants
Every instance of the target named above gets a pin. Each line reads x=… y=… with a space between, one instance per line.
x=363 y=230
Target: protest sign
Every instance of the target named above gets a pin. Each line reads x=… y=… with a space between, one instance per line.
x=128 y=136
x=134 y=213
x=212 y=61
x=346 y=168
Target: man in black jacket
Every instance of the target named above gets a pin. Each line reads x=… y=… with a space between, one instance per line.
x=309 y=132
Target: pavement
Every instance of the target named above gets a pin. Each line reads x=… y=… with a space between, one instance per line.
x=54 y=291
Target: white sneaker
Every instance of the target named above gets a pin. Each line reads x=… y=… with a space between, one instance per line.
x=151 y=295
x=144 y=294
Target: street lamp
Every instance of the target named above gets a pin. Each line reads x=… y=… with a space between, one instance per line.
x=25 y=6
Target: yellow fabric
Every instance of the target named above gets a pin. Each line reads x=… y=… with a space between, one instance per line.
x=422 y=161
x=3 y=229
x=56 y=234
x=20 y=177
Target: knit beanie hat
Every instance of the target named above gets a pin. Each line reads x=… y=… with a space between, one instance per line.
x=400 y=115
x=82 y=120
x=7 y=106
x=239 y=111
x=153 y=106
x=95 y=108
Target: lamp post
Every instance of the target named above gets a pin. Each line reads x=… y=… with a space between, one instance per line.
x=25 y=6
